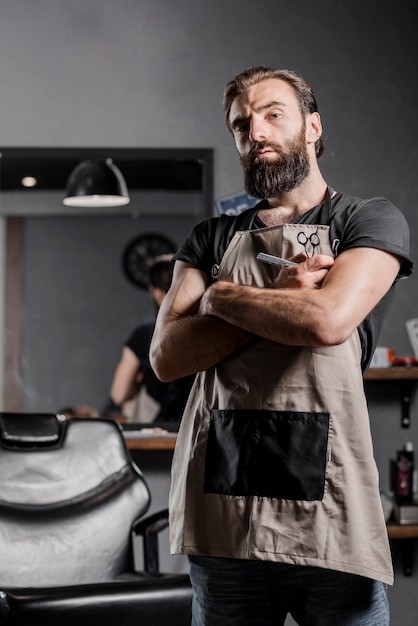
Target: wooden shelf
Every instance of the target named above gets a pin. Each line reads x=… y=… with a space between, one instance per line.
x=402 y=531
x=406 y=376
x=392 y=373
x=159 y=442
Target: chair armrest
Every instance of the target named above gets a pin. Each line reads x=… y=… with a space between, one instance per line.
x=148 y=528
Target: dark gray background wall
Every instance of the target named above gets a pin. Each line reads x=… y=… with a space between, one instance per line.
x=150 y=73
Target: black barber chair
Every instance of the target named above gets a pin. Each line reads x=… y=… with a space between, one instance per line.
x=71 y=501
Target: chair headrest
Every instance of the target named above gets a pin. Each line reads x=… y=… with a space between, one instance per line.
x=34 y=430
x=90 y=461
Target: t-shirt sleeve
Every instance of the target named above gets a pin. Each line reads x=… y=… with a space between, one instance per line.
x=196 y=249
x=205 y=245
x=377 y=223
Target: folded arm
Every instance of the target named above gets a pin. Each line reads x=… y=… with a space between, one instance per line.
x=352 y=287
x=317 y=302
x=185 y=342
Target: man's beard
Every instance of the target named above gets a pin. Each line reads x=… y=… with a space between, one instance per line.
x=270 y=179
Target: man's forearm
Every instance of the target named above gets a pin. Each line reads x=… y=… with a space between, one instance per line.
x=287 y=316
x=193 y=344
x=316 y=308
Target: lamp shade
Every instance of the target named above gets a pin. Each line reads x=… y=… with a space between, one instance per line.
x=96 y=183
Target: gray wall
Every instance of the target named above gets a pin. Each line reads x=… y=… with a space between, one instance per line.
x=150 y=73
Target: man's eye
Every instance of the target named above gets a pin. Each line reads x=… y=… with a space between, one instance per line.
x=241 y=128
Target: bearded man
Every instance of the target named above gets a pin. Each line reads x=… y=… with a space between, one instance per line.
x=275 y=494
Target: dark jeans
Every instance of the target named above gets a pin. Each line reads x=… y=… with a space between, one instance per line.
x=235 y=592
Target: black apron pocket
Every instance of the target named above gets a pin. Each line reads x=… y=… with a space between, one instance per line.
x=273 y=454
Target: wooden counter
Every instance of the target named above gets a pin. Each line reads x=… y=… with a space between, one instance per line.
x=136 y=440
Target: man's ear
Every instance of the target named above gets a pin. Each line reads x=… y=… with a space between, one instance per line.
x=313 y=127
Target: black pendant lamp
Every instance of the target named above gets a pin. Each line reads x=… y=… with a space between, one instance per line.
x=96 y=183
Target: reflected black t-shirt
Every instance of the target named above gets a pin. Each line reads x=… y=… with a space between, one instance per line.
x=171 y=396
x=353 y=222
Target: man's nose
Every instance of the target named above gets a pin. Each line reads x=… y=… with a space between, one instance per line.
x=258 y=130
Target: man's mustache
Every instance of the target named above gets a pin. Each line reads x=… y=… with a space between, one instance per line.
x=261 y=145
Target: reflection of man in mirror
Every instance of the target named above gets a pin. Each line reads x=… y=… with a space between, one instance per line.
x=136 y=394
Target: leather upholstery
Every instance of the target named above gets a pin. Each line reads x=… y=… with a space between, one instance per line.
x=148 y=602
x=70 y=499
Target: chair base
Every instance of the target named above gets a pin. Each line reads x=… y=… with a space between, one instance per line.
x=151 y=601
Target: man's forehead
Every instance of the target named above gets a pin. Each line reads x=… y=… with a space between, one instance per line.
x=271 y=91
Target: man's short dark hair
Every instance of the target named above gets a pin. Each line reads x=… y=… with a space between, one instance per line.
x=161 y=274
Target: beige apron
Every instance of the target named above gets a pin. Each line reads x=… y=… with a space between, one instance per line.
x=274 y=457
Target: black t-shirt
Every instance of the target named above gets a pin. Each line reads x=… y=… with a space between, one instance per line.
x=354 y=222
x=171 y=396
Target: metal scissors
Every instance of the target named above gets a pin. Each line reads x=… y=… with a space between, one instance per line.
x=313 y=241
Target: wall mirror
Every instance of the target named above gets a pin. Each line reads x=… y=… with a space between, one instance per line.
x=70 y=302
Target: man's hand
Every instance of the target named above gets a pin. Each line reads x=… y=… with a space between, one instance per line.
x=306 y=274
